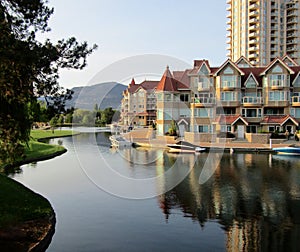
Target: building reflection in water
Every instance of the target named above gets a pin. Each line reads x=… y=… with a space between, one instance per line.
x=254 y=197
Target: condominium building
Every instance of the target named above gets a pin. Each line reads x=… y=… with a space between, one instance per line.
x=138 y=106
x=262 y=30
x=235 y=97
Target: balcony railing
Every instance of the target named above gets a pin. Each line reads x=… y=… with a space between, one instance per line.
x=252 y=100
x=204 y=100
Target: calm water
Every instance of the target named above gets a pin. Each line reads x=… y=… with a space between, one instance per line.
x=251 y=203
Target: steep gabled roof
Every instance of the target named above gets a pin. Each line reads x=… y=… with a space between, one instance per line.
x=183 y=77
x=243 y=59
x=288 y=58
x=277 y=60
x=169 y=83
x=293 y=77
x=199 y=63
x=255 y=72
x=149 y=85
x=228 y=61
x=146 y=85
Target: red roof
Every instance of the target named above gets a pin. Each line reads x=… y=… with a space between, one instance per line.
x=146 y=85
x=229 y=119
x=183 y=77
x=280 y=119
x=169 y=83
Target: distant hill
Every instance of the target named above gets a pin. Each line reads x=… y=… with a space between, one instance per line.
x=104 y=94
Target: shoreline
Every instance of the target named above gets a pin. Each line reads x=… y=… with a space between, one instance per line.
x=36 y=234
x=235 y=146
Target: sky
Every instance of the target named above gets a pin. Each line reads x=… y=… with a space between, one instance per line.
x=186 y=30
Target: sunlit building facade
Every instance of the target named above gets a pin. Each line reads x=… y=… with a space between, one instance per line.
x=262 y=30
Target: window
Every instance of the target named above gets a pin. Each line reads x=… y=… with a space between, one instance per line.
x=251 y=129
x=168 y=97
x=228 y=96
x=297 y=82
x=273 y=111
x=160 y=115
x=184 y=97
x=277 y=80
x=271 y=128
x=225 y=111
x=167 y=114
x=277 y=96
x=277 y=69
x=251 y=83
x=228 y=70
x=160 y=97
x=251 y=112
x=203 y=112
x=295 y=112
x=203 y=83
x=225 y=128
x=229 y=81
x=203 y=128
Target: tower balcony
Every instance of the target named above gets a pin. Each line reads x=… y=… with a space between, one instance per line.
x=253 y=14
x=291 y=35
x=253 y=56
x=253 y=6
x=292 y=13
x=292 y=21
x=291 y=28
x=253 y=35
x=253 y=48
x=253 y=21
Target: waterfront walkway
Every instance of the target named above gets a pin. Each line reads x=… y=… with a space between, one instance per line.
x=230 y=146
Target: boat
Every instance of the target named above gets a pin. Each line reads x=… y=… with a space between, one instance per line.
x=119 y=141
x=184 y=146
x=288 y=150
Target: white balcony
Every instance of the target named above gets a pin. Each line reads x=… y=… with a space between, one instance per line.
x=249 y=101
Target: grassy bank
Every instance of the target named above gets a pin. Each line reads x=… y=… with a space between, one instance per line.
x=43 y=134
x=23 y=213
x=19 y=204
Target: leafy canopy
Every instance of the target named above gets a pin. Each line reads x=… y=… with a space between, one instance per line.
x=30 y=68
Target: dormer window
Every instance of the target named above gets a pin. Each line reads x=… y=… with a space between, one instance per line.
x=277 y=80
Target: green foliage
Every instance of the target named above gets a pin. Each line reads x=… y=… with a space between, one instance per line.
x=173 y=129
x=29 y=68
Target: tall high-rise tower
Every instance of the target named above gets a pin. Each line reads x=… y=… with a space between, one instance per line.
x=262 y=30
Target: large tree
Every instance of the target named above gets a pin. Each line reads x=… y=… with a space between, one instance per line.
x=29 y=68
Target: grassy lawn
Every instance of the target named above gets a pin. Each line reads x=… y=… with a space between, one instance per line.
x=39 y=150
x=19 y=204
x=40 y=134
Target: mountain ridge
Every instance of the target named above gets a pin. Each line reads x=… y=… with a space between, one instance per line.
x=105 y=95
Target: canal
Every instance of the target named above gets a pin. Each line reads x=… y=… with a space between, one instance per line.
x=150 y=200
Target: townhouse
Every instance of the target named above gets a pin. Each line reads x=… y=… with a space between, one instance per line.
x=235 y=97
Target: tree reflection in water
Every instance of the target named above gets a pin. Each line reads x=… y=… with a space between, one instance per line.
x=254 y=197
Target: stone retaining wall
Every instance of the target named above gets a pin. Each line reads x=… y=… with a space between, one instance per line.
x=258 y=138
x=198 y=138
